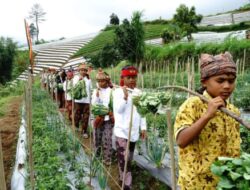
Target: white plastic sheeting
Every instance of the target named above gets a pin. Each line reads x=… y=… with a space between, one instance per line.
x=19 y=173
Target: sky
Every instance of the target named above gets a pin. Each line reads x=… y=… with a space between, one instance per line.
x=71 y=18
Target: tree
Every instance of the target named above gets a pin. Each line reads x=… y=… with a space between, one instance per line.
x=8 y=50
x=187 y=19
x=171 y=33
x=107 y=57
x=114 y=19
x=129 y=39
x=32 y=30
x=37 y=15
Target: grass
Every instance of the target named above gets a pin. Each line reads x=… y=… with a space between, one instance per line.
x=96 y=44
x=4 y=102
x=107 y=37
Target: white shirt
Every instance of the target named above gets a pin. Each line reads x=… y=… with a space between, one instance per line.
x=104 y=98
x=67 y=85
x=122 y=114
x=88 y=89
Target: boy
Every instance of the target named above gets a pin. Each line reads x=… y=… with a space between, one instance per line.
x=122 y=102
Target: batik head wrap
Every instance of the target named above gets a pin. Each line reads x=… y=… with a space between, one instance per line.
x=83 y=66
x=216 y=65
x=102 y=75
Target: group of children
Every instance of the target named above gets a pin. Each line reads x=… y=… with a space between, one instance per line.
x=202 y=132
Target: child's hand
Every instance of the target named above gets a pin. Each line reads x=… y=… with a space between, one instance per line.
x=125 y=91
x=143 y=134
x=97 y=92
x=213 y=106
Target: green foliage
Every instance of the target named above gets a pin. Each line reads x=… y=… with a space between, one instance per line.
x=171 y=33
x=187 y=19
x=79 y=90
x=8 y=50
x=21 y=63
x=105 y=37
x=108 y=56
x=241 y=96
x=245 y=138
x=226 y=28
x=245 y=7
x=110 y=27
x=234 y=173
x=114 y=20
x=157 y=21
x=102 y=178
x=51 y=139
x=99 y=109
x=129 y=38
x=149 y=102
x=184 y=50
x=12 y=89
x=156 y=149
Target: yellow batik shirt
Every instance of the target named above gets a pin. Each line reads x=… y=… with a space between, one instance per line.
x=220 y=137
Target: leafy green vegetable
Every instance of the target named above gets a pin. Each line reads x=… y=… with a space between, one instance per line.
x=99 y=109
x=149 y=102
x=156 y=149
x=79 y=90
x=234 y=173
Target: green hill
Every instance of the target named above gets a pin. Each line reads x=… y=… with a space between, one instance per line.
x=107 y=37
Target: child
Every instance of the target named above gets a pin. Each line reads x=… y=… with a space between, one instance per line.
x=103 y=124
x=204 y=133
x=60 y=78
x=82 y=105
x=67 y=86
x=122 y=103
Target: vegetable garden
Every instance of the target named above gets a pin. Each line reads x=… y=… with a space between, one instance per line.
x=61 y=162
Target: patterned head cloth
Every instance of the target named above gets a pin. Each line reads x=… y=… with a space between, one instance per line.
x=216 y=65
x=128 y=71
x=83 y=66
x=101 y=75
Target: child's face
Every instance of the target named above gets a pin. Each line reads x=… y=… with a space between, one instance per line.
x=130 y=81
x=102 y=83
x=220 y=85
x=83 y=72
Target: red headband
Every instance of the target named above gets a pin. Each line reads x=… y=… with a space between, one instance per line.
x=129 y=72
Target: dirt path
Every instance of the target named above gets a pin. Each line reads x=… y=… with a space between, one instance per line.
x=9 y=125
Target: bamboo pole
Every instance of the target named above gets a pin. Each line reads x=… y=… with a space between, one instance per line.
x=168 y=71
x=176 y=70
x=128 y=144
x=226 y=111
x=244 y=62
x=2 y=175
x=188 y=76
x=171 y=149
x=193 y=75
x=30 y=132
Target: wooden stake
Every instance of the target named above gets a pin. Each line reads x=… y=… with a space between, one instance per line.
x=226 y=111
x=128 y=144
x=188 y=76
x=30 y=133
x=2 y=176
x=176 y=70
x=193 y=75
x=244 y=62
x=171 y=149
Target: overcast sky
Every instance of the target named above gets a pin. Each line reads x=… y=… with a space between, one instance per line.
x=71 y=18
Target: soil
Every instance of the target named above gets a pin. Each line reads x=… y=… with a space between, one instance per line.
x=9 y=125
x=142 y=180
